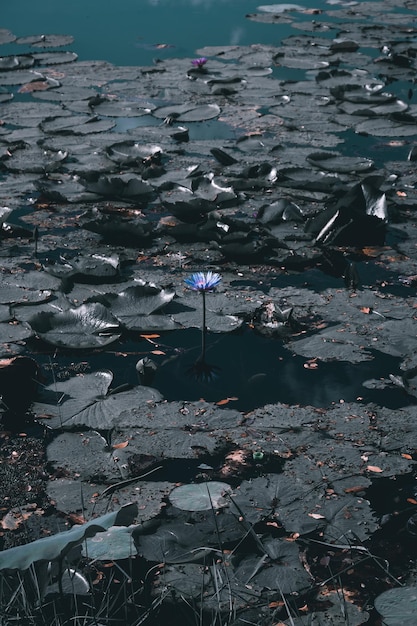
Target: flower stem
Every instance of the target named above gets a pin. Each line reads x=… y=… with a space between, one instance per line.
x=204 y=329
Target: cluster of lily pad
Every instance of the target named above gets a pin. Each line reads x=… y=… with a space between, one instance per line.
x=247 y=170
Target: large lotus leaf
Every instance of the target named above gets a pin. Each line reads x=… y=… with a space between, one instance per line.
x=200 y=496
x=84 y=401
x=87 y=326
x=57 y=546
x=133 y=305
x=398 y=606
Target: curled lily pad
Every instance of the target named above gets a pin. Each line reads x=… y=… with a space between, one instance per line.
x=16 y=62
x=200 y=497
x=6 y=36
x=34 y=159
x=125 y=186
x=187 y=112
x=334 y=162
x=132 y=152
x=94 y=268
x=88 y=326
x=280 y=8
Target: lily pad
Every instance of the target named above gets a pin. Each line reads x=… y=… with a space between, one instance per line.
x=135 y=305
x=187 y=112
x=398 y=606
x=113 y=544
x=85 y=401
x=200 y=497
x=87 y=326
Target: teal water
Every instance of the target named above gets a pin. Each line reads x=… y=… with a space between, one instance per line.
x=128 y=32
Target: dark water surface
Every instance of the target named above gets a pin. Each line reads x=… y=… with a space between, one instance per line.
x=134 y=32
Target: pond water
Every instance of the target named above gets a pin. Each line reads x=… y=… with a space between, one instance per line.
x=136 y=32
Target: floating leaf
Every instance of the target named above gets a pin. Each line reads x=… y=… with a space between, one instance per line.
x=200 y=497
x=398 y=606
x=88 y=326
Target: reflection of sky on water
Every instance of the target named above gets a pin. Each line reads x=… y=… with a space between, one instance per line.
x=127 y=34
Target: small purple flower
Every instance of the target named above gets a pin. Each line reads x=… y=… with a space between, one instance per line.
x=199 y=63
x=203 y=282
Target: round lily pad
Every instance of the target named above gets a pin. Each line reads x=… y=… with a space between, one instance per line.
x=200 y=497
x=398 y=606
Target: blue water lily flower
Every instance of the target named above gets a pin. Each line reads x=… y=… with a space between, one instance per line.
x=203 y=282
